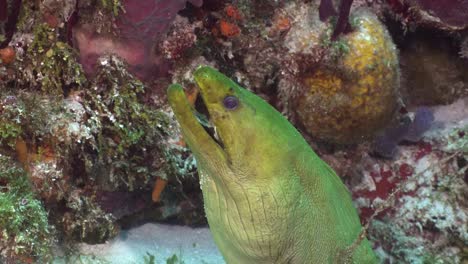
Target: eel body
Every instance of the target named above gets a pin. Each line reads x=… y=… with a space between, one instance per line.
x=268 y=197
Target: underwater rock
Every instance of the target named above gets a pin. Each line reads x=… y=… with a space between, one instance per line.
x=77 y=142
x=57 y=12
x=420 y=194
x=447 y=15
x=432 y=72
x=429 y=210
x=143 y=64
x=138 y=30
x=353 y=92
x=44 y=62
x=179 y=39
x=464 y=48
x=149 y=19
x=87 y=222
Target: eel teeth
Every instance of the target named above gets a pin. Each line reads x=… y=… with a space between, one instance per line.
x=216 y=133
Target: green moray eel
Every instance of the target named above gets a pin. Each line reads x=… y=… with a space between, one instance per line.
x=268 y=197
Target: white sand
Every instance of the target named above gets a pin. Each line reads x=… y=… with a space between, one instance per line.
x=191 y=245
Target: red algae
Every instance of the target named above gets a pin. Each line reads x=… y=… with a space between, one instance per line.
x=424 y=148
x=405 y=170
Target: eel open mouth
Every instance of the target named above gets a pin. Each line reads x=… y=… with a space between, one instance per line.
x=203 y=117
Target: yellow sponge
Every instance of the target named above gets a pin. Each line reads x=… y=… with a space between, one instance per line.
x=355 y=94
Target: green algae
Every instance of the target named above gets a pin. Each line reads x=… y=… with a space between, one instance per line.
x=54 y=61
x=9 y=130
x=24 y=228
x=174 y=259
x=113 y=6
x=336 y=48
x=122 y=126
x=25 y=115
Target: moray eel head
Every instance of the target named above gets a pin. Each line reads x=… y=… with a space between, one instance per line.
x=239 y=123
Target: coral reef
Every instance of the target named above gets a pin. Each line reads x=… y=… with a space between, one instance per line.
x=420 y=195
x=89 y=146
x=77 y=137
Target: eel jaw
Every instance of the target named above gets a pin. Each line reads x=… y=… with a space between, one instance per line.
x=203 y=116
x=195 y=134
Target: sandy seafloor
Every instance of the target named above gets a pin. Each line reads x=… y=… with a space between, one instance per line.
x=190 y=245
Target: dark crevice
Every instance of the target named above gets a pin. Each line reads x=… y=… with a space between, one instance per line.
x=10 y=25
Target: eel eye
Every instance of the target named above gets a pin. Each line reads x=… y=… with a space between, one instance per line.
x=230 y=102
